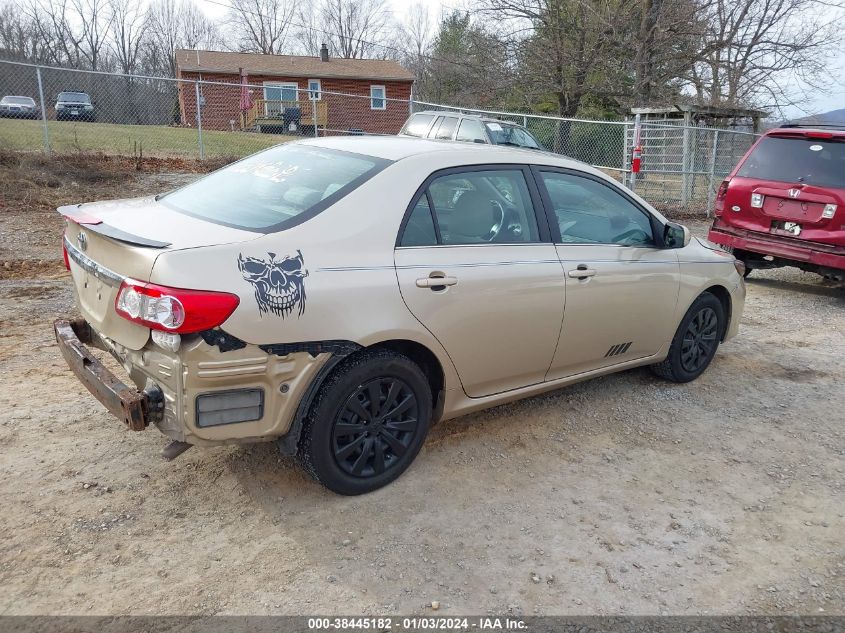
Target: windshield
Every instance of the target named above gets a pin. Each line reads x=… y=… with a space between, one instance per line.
x=504 y=134
x=277 y=188
x=18 y=101
x=797 y=160
x=77 y=97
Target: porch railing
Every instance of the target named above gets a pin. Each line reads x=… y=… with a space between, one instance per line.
x=275 y=112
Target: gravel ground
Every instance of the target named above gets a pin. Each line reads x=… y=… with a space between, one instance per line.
x=622 y=495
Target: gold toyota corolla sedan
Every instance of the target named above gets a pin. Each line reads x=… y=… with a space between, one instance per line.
x=340 y=295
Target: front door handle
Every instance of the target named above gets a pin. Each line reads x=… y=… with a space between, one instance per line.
x=582 y=272
x=436 y=282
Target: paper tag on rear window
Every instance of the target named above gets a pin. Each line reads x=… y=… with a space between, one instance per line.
x=816 y=148
x=495 y=127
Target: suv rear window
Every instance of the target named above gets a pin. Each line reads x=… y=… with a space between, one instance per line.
x=275 y=189
x=812 y=161
x=418 y=125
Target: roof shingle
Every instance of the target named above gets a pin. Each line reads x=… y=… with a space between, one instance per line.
x=289 y=65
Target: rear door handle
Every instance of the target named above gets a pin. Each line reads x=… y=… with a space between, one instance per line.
x=436 y=282
x=582 y=272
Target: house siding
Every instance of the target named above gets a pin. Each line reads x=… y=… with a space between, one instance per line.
x=222 y=102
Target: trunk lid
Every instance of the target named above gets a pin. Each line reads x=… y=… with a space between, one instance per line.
x=109 y=241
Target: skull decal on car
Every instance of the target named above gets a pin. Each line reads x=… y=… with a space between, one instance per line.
x=279 y=284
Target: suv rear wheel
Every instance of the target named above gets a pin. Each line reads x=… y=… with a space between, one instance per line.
x=367 y=422
x=695 y=341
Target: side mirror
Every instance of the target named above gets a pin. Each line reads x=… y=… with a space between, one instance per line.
x=675 y=235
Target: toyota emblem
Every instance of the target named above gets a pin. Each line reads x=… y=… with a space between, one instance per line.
x=82 y=241
x=794 y=193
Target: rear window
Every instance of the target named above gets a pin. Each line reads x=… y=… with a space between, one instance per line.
x=797 y=160
x=418 y=125
x=275 y=189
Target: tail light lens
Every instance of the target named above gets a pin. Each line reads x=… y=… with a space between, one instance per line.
x=64 y=254
x=719 y=204
x=173 y=309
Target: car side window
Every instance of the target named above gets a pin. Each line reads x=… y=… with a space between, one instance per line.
x=478 y=207
x=417 y=125
x=419 y=231
x=447 y=128
x=471 y=131
x=434 y=126
x=589 y=212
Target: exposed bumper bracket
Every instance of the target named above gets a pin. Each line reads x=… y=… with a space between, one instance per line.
x=128 y=404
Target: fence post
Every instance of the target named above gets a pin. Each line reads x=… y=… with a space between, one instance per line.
x=314 y=115
x=199 y=119
x=43 y=110
x=638 y=130
x=712 y=172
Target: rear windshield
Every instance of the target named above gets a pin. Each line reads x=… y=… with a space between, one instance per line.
x=18 y=100
x=417 y=125
x=275 y=189
x=78 y=97
x=797 y=160
x=503 y=134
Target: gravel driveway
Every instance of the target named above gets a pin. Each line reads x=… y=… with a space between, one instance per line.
x=622 y=495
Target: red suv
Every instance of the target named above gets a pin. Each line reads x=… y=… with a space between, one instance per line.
x=784 y=203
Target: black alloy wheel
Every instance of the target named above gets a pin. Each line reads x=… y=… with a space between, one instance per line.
x=699 y=342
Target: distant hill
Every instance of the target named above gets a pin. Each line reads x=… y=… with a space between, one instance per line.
x=834 y=117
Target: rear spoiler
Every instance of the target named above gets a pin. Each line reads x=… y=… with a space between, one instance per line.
x=73 y=213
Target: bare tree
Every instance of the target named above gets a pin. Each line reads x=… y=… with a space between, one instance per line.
x=261 y=26
x=25 y=38
x=173 y=24
x=127 y=33
x=350 y=28
x=753 y=48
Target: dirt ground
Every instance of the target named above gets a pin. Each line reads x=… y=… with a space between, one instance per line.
x=623 y=495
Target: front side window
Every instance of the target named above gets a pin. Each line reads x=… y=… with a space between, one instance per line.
x=811 y=161
x=480 y=207
x=378 y=98
x=471 y=131
x=590 y=212
x=276 y=188
x=314 y=89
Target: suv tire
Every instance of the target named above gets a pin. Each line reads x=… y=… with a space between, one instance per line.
x=367 y=423
x=695 y=342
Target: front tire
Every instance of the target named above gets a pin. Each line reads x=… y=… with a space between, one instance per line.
x=695 y=342
x=367 y=422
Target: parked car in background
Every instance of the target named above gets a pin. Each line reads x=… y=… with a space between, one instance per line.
x=74 y=106
x=16 y=107
x=784 y=203
x=339 y=295
x=469 y=128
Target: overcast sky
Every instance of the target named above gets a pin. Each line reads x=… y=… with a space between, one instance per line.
x=818 y=101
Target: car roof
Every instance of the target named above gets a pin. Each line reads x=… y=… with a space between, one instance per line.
x=399 y=147
x=466 y=115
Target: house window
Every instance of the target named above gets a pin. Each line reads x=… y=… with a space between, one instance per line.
x=314 y=89
x=378 y=98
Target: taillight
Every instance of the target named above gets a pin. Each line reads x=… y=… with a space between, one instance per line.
x=64 y=254
x=173 y=309
x=719 y=204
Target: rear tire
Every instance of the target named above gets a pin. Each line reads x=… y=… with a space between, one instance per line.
x=695 y=342
x=367 y=422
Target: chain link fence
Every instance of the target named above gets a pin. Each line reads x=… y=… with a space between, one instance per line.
x=65 y=111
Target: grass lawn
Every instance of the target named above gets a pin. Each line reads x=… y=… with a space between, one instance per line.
x=113 y=139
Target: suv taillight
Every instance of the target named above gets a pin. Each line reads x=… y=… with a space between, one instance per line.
x=719 y=205
x=173 y=309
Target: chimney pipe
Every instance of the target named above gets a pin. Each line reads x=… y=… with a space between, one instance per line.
x=324 y=53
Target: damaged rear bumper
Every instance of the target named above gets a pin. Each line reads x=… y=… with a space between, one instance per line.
x=136 y=408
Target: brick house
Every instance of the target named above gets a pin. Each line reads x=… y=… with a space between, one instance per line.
x=292 y=92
